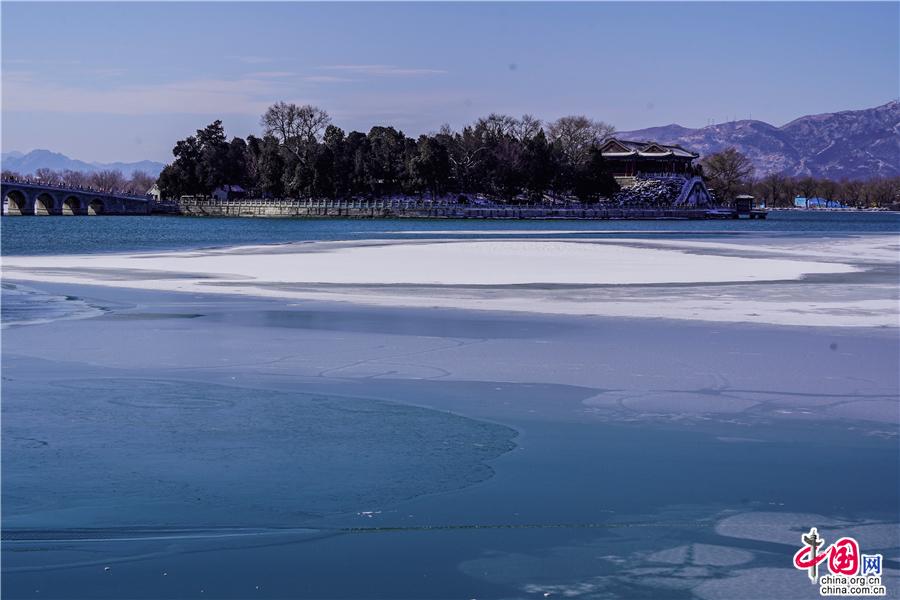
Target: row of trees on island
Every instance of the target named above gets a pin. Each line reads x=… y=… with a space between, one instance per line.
x=301 y=154
x=106 y=180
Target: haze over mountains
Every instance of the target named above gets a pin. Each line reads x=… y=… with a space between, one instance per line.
x=852 y=144
x=27 y=164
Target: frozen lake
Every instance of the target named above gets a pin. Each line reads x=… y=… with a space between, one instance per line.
x=219 y=443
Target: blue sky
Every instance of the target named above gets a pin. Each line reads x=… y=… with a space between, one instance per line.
x=123 y=81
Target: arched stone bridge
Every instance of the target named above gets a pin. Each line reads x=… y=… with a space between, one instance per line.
x=34 y=198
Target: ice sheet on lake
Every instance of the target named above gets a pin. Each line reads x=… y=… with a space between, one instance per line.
x=786 y=528
x=22 y=305
x=649 y=562
x=130 y=452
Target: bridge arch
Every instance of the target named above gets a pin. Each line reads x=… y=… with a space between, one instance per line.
x=26 y=197
x=71 y=205
x=16 y=203
x=44 y=204
x=96 y=207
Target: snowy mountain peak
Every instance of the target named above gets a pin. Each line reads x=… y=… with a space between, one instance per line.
x=851 y=144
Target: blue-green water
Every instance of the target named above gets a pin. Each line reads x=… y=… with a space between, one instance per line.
x=168 y=445
x=210 y=447
x=71 y=235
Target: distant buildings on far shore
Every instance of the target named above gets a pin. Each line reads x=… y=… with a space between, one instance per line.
x=816 y=202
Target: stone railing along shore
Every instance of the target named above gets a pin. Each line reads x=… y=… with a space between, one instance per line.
x=415 y=209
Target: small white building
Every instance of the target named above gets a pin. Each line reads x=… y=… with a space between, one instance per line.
x=154 y=193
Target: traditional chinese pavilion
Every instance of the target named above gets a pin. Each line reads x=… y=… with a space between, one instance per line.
x=628 y=159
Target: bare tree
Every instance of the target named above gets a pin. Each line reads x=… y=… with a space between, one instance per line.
x=295 y=126
x=852 y=192
x=728 y=171
x=466 y=151
x=313 y=121
x=806 y=186
x=884 y=192
x=774 y=188
x=75 y=178
x=108 y=180
x=495 y=126
x=140 y=183
x=47 y=175
x=576 y=134
x=279 y=121
x=526 y=128
x=826 y=189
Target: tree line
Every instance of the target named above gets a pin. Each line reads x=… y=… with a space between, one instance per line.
x=729 y=173
x=780 y=191
x=108 y=180
x=301 y=154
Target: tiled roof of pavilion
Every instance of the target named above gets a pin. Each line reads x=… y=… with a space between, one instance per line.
x=616 y=148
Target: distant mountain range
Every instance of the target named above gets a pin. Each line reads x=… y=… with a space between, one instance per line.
x=26 y=164
x=852 y=144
